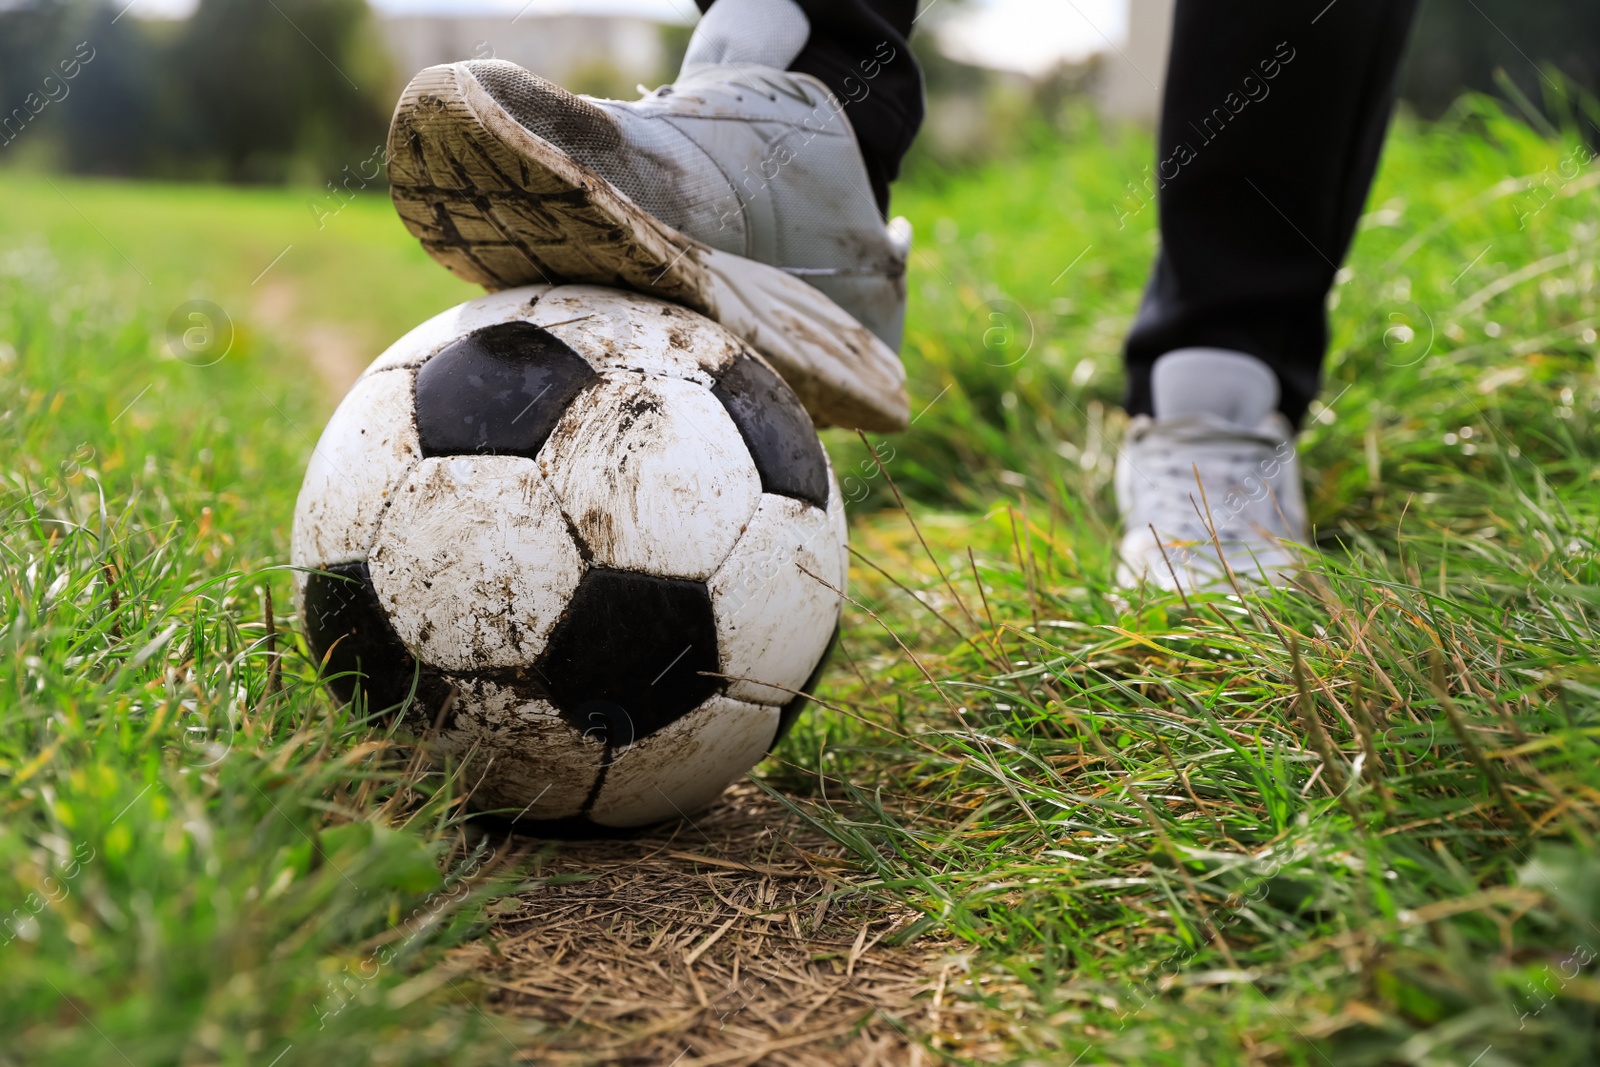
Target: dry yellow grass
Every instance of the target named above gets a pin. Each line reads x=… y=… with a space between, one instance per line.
x=733 y=939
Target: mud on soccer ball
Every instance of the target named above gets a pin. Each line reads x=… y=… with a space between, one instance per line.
x=591 y=535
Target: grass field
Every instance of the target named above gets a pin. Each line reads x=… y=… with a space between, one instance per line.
x=1348 y=824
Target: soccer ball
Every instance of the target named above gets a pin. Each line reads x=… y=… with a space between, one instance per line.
x=587 y=534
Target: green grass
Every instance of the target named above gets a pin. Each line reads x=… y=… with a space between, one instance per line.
x=196 y=841
x=1348 y=825
x=1119 y=810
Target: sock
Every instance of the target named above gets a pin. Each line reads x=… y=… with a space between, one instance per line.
x=765 y=33
x=1213 y=381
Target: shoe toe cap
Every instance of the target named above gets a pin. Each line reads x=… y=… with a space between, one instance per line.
x=1194 y=565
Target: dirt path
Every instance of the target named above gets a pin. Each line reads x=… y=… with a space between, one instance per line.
x=337 y=352
x=735 y=939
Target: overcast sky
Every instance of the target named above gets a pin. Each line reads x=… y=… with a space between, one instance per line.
x=1027 y=35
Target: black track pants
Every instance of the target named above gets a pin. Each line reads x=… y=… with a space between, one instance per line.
x=1271 y=127
x=1273 y=120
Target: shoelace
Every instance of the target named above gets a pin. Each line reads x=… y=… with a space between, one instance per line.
x=705 y=92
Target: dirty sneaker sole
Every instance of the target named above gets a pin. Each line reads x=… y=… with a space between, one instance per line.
x=500 y=206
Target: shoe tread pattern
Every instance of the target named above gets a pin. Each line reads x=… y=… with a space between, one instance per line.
x=500 y=207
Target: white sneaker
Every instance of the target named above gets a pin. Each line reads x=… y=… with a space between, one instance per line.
x=738 y=191
x=1181 y=477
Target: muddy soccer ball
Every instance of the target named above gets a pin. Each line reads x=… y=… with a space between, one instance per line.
x=590 y=535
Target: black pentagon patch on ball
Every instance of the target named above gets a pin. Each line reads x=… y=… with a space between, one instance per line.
x=776 y=430
x=343 y=613
x=791 y=711
x=627 y=656
x=498 y=391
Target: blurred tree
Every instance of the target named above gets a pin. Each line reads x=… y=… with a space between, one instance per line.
x=28 y=32
x=31 y=34
x=244 y=90
x=114 y=122
x=1461 y=45
x=76 y=84
x=277 y=88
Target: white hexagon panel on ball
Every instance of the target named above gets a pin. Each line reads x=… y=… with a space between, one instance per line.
x=653 y=474
x=474 y=563
x=365 y=453
x=774 y=608
x=524 y=756
x=684 y=766
x=624 y=331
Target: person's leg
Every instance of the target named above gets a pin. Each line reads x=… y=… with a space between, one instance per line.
x=859 y=49
x=751 y=189
x=1273 y=120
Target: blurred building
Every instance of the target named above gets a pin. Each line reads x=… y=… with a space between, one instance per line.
x=588 y=52
x=1131 y=80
